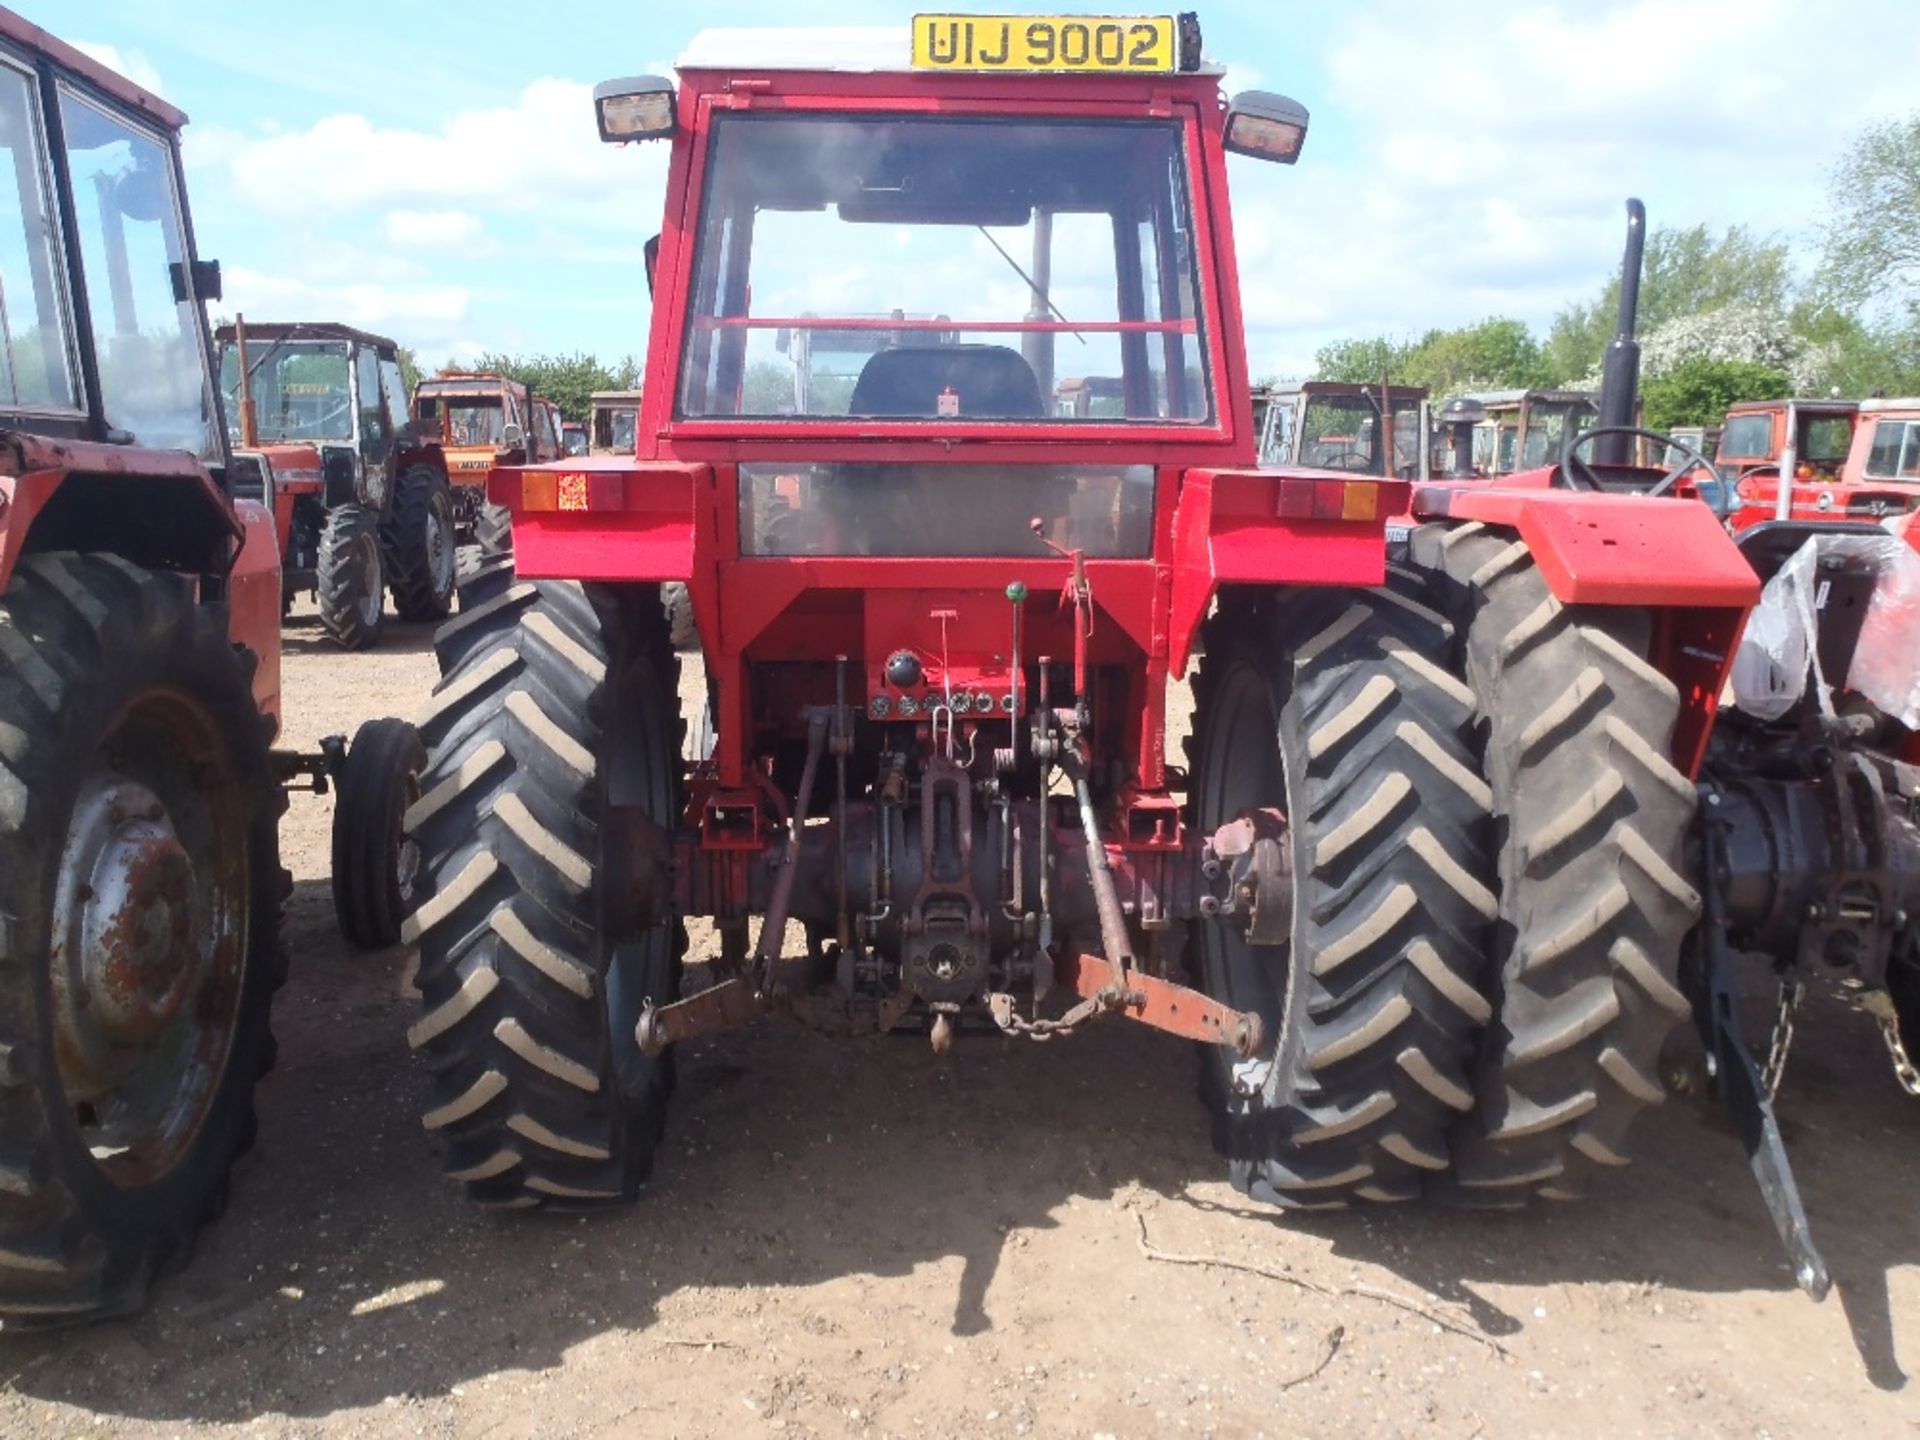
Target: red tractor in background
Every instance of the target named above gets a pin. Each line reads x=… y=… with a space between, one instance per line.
x=1850 y=460
x=1428 y=889
x=140 y=593
x=360 y=503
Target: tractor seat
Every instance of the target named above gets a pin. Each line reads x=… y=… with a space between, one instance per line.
x=992 y=382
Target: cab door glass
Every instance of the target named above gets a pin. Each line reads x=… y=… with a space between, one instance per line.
x=36 y=367
x=394 y=384
x=153 y=382
x=376 y=435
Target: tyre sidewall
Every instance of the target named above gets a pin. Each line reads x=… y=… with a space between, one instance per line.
x=186 y=654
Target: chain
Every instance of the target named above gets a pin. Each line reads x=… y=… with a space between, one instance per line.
x=1782 y=1042
x=1879 y=1004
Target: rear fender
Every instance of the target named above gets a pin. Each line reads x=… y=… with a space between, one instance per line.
x=1274 y=527
x=606 y=518
x=159 y=509
x=1671 y=557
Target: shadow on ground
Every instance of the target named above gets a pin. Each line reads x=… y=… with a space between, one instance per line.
x=346 y=1272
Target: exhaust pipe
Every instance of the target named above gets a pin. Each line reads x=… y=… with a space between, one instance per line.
x=1620 y=370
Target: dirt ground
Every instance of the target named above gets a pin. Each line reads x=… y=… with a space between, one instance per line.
x=861 y=1239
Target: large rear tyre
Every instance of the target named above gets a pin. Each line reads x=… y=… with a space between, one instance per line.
x=375 y=862
x=349 y=584
x=419 y=542
x=1594 y=899
x=1340 y=709
x=139 y=929
x=553 y=745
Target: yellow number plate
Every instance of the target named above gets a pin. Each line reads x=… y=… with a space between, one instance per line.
x=1054 y=44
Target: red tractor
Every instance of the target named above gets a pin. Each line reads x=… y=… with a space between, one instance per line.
x=360 y=503
x=1426 y=891
x=140 y=588
x=1850 y=460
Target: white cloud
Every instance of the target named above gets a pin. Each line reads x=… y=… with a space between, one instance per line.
x=540 y=151
x=430 y=312
x=436 y=229
x=1481 y=168
x=130 y=63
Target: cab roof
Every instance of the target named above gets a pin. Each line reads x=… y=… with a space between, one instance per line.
x=1889 y=404
x=28 y=36
x=307 y=330
x=844 y=49
x=1823 y=403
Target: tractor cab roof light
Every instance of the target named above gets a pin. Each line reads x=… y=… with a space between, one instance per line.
x=639 y=107
x=1266 y=126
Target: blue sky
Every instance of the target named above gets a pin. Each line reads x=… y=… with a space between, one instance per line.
x=439 y=179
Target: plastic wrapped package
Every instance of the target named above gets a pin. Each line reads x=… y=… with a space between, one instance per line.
x=1886 y=663
x=1777 y=648
x=1780 y=649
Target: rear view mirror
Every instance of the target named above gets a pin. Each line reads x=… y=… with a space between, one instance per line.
x=637 y=108
x=513 y=437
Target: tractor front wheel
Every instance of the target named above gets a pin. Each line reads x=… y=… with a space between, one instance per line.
x=553 y=743
x=349 y=582
x=1338 y=710
x=419 y=542
x=139 y=929
x=375 y=862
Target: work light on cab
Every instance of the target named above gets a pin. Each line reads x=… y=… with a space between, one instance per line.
x=1266 y=126
x=639 y=107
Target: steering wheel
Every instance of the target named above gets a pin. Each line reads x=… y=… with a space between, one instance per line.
x=1580 y=474
x=1350 y=460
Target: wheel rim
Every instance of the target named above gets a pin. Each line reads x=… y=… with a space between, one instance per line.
x=1242 y=768
x=371 y=598
x=150 y=939
x=440 y=546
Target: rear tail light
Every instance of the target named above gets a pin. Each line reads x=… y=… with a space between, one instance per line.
x=567 y=491
x=1303 y=499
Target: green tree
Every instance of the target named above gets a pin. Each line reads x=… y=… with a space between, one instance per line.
x=1361 y=361
x=409 y=366
x=1873 y=233
x=567 y=380
x=1698 y=390
x=1686 y=273
x=1497 y=353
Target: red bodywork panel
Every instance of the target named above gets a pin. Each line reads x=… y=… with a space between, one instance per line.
x=1600 y=549
x=253 y=590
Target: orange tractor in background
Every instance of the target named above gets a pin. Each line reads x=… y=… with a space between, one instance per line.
x=481 y=419
x=140 y=595
x=361 y=503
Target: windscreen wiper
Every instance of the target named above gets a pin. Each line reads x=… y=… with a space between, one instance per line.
x=1044 y=298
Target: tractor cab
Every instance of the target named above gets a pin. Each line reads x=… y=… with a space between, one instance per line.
x=315 y=399
x=1814 y=437
x=105 y=339
x=1332 y=425
x=615 y=416
x=1527 y=429
x=482 y=420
